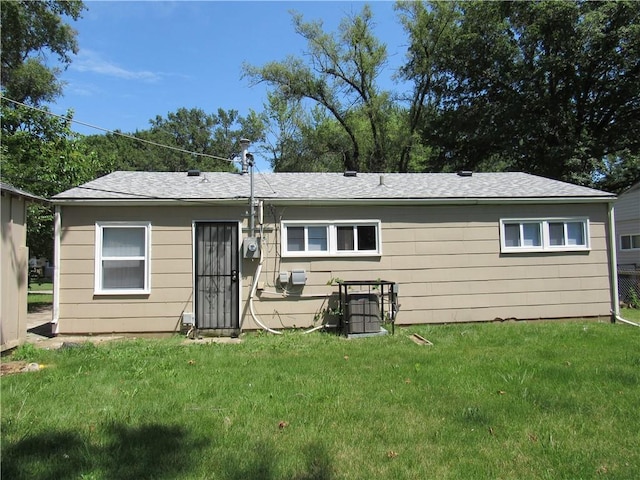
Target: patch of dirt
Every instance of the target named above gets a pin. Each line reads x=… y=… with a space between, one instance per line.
x=11 y=368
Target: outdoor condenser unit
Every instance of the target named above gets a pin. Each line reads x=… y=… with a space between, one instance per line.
x=363 y=313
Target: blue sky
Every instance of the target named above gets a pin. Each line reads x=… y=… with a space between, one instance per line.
x=142 y=59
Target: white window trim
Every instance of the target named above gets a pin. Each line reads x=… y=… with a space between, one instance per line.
x=97 y=289
x=631 y=235
x=332 y=248
x=545 y=239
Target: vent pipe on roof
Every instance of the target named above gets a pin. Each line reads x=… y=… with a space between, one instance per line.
x=465 y=173
x=382 y=181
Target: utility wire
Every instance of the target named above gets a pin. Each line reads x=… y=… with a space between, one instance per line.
x=47 y=112
x=113 y=132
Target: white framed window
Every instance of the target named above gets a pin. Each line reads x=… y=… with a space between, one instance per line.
x=122 y=259
x=336 y=238
x=544 y=235
x=630 y=242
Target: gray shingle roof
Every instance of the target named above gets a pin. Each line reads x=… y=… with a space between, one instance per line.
x=6 y=187
x=324 y=186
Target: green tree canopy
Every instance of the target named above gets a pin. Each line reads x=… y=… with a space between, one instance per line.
x=184 y=139
x=30 y=30
x=341 y=77
x=39 y=151
x=550 y=88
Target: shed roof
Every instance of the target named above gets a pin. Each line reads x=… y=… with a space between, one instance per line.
x=10 y=189
x=158 y=186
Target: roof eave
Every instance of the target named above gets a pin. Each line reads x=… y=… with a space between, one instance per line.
x=442 y=201
x=16 y=192
x=131 y=202
x=334 y=201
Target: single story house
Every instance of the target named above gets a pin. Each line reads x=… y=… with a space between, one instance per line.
x=15 y=271
x=149 y=251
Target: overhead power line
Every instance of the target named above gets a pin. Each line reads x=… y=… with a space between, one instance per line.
x=113 y=132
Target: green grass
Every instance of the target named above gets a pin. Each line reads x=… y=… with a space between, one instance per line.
x=632 y=314
x=37 y=301
x=511 y=401
x=37 y=287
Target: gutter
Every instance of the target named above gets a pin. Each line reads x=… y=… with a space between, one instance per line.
x=94 y=202
x=129 y=202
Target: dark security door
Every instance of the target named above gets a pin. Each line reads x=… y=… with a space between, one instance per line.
x=216 y=282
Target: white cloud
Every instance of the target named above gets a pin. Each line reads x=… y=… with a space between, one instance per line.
x=90 y=61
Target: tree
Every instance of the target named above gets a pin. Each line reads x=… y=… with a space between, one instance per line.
x=39 y=151
x=30 y=30
x=550 y=88
x=302 y=140
x=185 y=139
x=341 y=78
x=430 y=30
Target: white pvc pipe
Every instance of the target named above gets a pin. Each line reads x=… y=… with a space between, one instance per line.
x=620 y=319
x=254 y=287
x=314 y=329
x=324 y=325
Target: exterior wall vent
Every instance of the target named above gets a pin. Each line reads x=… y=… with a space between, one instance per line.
x=298 y=277
x=193 y=173
x=350 y=173
x=465 y=173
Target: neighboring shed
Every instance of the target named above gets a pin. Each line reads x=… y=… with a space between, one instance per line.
x=145 y=251
x=15 y=274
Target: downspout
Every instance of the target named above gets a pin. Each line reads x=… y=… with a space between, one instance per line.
x=613 y=264
x=56 y=270
x=615 y=304
x=623 y=320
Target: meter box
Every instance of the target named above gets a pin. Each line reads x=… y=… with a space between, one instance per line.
x=251 y=247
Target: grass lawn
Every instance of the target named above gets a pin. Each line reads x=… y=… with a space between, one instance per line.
x=38 y=287
x=632 y=314
x=36 y=301
x=512 y=400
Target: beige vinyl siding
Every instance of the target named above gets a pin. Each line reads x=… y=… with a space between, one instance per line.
x=448 y=264
x=171 y=269
x=446 y=260
x=627 y=210
x=13 y=314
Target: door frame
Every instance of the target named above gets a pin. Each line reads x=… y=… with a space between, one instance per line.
x=194 y=246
